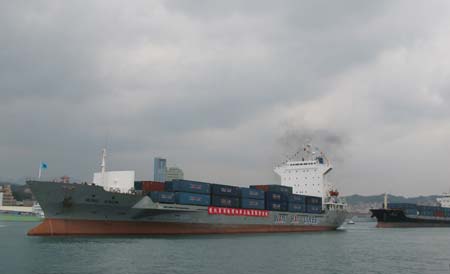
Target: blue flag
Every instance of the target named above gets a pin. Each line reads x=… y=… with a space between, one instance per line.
x=44 y=165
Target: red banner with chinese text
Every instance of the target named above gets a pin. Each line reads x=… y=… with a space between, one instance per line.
x=213 y=210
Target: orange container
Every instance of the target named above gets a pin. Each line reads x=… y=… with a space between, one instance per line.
x=148 y=186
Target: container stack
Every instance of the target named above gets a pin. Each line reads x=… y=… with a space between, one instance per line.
x=225 y=196
x=189 y=192
x=421 y=210
x=297 y=203
x=408 y=209
x=313 y=204
x=163 y=197
x=252 y=198
x=276 y=196
x=280 y=198
x=276 y=201
x=268 y=197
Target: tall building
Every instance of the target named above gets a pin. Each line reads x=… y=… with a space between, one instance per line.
x=174 y=173
x=159 y=170
x=8 y=198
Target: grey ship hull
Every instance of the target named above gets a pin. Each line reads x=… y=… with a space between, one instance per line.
x=81 y=209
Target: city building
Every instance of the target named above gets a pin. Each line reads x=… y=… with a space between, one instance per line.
x=174 y=173
x=8 y=198
x=159 y=170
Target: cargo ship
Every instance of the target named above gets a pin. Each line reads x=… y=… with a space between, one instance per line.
x=116 y=204
x=413 y=215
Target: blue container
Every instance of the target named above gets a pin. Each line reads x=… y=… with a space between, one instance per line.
x=138 y=185
x=401 y=205
x=427 y=210
x=296 y=207
x=410 y=211
x=162 y=197
x=224 y=190
x=252 y=203
x=274 y=188
x=296 y=198
x=224 y=201
x=185 y=198
x=312 y=200
x=313 y=209
x=277 y=206
x=252 y=193
x=187 y=186
x=276 y=197
x=282 y=189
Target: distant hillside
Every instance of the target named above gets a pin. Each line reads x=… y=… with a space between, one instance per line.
x=362 y=204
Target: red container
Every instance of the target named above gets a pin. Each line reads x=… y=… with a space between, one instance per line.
x=439 y=213
x=264 y=188
x=148 y=186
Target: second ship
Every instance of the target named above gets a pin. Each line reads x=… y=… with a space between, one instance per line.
x=116 y=204
x=413 y=215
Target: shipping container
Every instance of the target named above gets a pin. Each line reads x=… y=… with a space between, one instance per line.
x=313 y=209
x=276 y=196
x=186 y=198
x=428 y=211
x=277 y=206
x=401 y=205
x=225 y=190
x=148 y=186
x=162 y=197
x=252 y=193
x=274 y=188
x=188 y=186
x=296 y=207
x=296 y=198
x=138 y=185
x=224 y=201
x=446 y=211
x=312 y=200
x=409 y=211
x=252 y=203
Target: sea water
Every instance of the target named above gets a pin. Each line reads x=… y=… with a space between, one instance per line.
x=359 y=248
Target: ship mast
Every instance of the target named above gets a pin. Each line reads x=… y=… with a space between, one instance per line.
x=103 y=165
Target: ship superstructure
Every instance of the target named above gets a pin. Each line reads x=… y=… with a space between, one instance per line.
x=112 y=206
x=444 y=200
x=306 y=172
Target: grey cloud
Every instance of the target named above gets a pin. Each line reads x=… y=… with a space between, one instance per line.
x=207 y=83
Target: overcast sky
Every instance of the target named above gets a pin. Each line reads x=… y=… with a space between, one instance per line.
x=225 y=89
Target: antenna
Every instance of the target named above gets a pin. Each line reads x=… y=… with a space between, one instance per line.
x=385 y=201
x=103 y=164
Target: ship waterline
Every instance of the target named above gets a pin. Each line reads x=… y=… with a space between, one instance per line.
x=64 y=227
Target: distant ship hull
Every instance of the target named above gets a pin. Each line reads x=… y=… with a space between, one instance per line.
x=79 y=209
x=397 y=218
